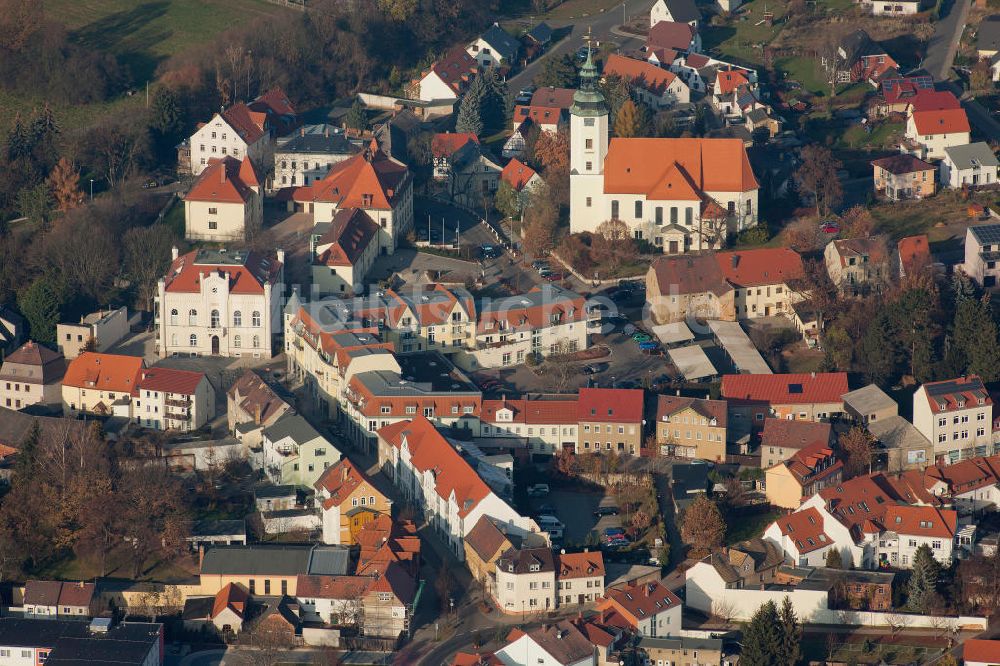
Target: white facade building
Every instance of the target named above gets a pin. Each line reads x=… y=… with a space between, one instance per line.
x=971 y=165
x=956 y=416
x=236 y=132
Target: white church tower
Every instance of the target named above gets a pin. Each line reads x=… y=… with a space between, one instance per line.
x=588 y=125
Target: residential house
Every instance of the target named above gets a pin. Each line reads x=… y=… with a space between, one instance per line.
x=293 y=452
x=691 y=427
x=494 y=48
x=387 y=604
x=349 y=501
x=679 y=194
x=559 y=644
x=32 y=375
x=579 y=577
x=238 y=132
x=955 y=415
x=782 y=438
x=540 y=35
x=485 y=543
x=467 y=172
x=913 y=255
x=447 y=78
x=859 y=58
x=517 y=143
x=969 y=486
x=700 y=71
x=896 y=94
x=345 y=252
x=759 y=119
x=689 y=286
x=932 y=131
x=332 y=600
x=906 y=528
x=100 y=384
x=656 y=87
x=268 y=569
x=747 y=565
x=649 y=608
x=733 y=92
x=523 y=179
x=610 y=418
x=807 y=472
x=980 y=652
x=905 y=446
x=803 y=538
x=394 y=133
x=546 y=426
x=892 y=7
x=170 y=399
x=281 y=114
x=31 y=641
x=677 y=11
x=254 y=403
x=683 y=651
x=763 y=280
x=982 y=253
x=673 y=38
x=308 y=155
x=225 y=613
x=988 y=43
x=220 y=303
x=384 y=542
x=431 y=474
x=526 y=581
x=53 y=598
x=972 y=165
x=857 y=265
x=225 y=204
x=803 y=396
x=104 y=328
x=901 y=177
x=370 y=181
x=869 y=404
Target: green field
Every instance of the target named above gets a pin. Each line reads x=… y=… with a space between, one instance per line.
x=742 y=37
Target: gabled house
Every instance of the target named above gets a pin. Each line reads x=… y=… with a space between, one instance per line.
x=100 y=384
x=522 y=178
x=675 y=37
x=349 y=501
x=494 y=48
x=763 y=280
x=548 y=109
x=913 y=254
x=469 y=175
x=677 y=11
x=656 y=87
x=444 y=149
x=293 y=452
x=484 y=545
x=171 y=399
x=782 y=438
x=856 y=264
x=956 y=415
x=447 y=78
x=733 y=92
x=610 y=420
x=238 y=132
x=344 y=253
x=579 y=577
x=52 y=599
x=807 y=472
x=32 y=375
x=281 y=115
x=969 y=166
x=901 y=177
x=930 y=132
x=859 y=58
x=649 y=608
x=691 y=427
x=803 y=396
x=526 y=581
x=982 y=254
x=547 y=426
x=558 y=644
x=254 y=403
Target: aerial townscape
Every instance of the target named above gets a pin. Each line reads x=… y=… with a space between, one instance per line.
x=505 y=333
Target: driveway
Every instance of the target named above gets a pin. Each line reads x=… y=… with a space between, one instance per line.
x=944 y=42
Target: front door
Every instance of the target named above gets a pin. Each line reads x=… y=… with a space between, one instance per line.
x=673 y=247
x=215 y=345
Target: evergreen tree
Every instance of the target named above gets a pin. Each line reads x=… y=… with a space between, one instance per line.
x=762 y=638
x=494 y=101
x=923 y=579
x=40 y=304
x=356 y=118
x=878 y=353
x=25 y=464
x=35 y=203
x=962 y=287
x=834 y=560
x=633 y=120
x=975 y=338
x=165 y=117
x=791 y=635
x=18 y=140
x=557 y=72
x=470 y=111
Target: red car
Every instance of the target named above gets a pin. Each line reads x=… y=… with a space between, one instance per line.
x=555 y=277
x=830 y=228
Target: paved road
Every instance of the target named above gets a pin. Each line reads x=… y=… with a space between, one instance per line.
x=600 y=25
x=944 y=42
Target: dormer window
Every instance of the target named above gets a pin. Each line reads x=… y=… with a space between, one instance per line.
x=533 y=567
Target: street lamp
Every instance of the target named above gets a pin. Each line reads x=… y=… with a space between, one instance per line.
x=91 y=189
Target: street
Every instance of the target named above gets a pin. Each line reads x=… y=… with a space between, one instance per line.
x=944 y=42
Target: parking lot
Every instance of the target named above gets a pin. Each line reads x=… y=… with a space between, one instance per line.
x=575 y=510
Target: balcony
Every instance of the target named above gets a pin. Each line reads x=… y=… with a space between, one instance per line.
x=183 y=403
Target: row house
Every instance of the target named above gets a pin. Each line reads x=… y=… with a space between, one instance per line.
x=32 y=375
x=485 y=543
x=803 y=475
x=782 y=438
x=691 y=427
x=31 y=641
x=349 y=501
x=57 y=599
x=225 y=204
x=956 y=416
x=220 y=303
x=534 y=580
x=654 y=86
x=797 y=396
x=435 y=479
x=370 y=181
x=545 y=426
x=610 y=420
x=292 y=452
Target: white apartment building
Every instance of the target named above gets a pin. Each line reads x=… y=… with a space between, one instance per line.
x=971 y=165
x=236 y=132
x=982 y=254
x=225 y=203
x=526 y=581
x=308 y=155
x=106 y=328
x=956 y=416
x=220 y=303
x=907 y=528
x=294 y=453
x=546 y=426
x=168 y=399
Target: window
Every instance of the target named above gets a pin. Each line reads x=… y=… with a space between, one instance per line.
x=213 y=225
x=193 y=341
x=255 y=319
x=614 y=209
x=267 y=586
x=173 y=317
x=192 y=317
x=256 y=341
x=590 y=201
x=589 y=144
x=237 y=342
x=237 y=318
x=638 y=209
x=214 y=319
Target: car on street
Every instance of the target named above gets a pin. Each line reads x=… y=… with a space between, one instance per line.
x=538 y=490
x=489 y=251
x=594 y=368
x=641 y=337
x=555 y=277
x=545 y=271
x=606 y=511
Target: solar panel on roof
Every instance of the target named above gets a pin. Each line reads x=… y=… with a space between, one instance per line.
x=795 y=388
x=989 y=233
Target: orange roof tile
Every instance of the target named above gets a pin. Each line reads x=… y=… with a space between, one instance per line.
x=981 y=650
x=446 y=144
x=580 y=565
x=331 y=587
x=925 y=521
x=934 y=100
x=249 y=276
x=764 y=266
x=942 y=121
x=340 y=481
x=640 y=73
x=456 y=68
x=225 y=181
x=794 y=434
x=169 y=380
x=532 y=411
x=730 y=79
x=640 y=602
x=350 y=233
x=607 y=405
x=233 y=597
x=805 y=528
x=670 y=35
x=104 y=372
x=638 y=166
x=914 y=251
x=788 y=389
x=247 y=123
x=517 y=174
x=370 y=180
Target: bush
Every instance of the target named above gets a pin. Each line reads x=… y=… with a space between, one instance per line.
x=757 y=235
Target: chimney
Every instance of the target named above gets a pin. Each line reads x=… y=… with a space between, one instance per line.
x=813 y=374
x=302 y=131
x=256 y=413
x=326 y=131
x=173 y=253
x=201 y=555
x=222 y=172
x=345 y=473
x=735 y=260
x=281 y=255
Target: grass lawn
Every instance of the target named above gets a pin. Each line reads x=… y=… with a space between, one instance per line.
x=120 y=566
x=943 y=218
x=175 y=219
x=746 y=527
x=740 y=38
x=803 y=70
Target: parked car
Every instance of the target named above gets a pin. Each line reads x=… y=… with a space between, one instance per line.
x=641 y=337
x=649 y=345
x=539 y=264
x=546 y=508
x=555 y=277
x=606 y=511
x=489 y=251
x=538 y=490
x=594 y=368
x=830 y=228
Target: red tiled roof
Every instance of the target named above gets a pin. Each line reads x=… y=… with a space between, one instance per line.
x=225 y=181
x=579 y=565
x=517 y=174
x=805 y=528
x=689 y=274
x=764 y=266
x=606 y=405
x=927 y=521
x=794 y=434
x=446 y=144
x=789 y=389
x=481 y=659
x=803 y=465
x=350 y=233
x=32 y=353
x=670 y=35
x=104 y=372
x=76 y=594
x=397 y=581
x=944 y=121
x=233 y=597
x=640 y=73
x=249 y=277
x=455 y=68
x=555 y=98
x=945 y=396
x=640 y=602
x=254 y=393
x=542 y=412
x=331 y=587
x=248 y=124
x=861 y=499
x=638 y=166
x=275 y=101
x=486 y=539
x=981 y=650
x=730 y=79
x=902 y=164
x=934 y=100
x=370 y=180
x=541 y=115
x=169 y=380
x=340 y=481
x=914 y=251
x=429 y=450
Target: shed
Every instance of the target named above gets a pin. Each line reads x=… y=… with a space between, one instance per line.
x=692 y=362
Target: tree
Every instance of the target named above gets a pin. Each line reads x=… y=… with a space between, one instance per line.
x=494 y=101
x=557 y=72
x=116 y=148
x=857 y=447
x=356 y=119
x=398 y=10
x=857 y=222
x=633 y=120
x=146 y=256
x=40 y=304
x=539 y=234
x=612 y=245
x=507 y=200
x=834 y=560
x=878 y=353
x=616 y=92
x=470 y=111
x=981 y=77
x=790 y=652
x=702 y=525
x=35 y=203
x=817 y=176
x=64 y=181
x=975 y=337
x=762 y=638
x=551 y=154
x=923 y=579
